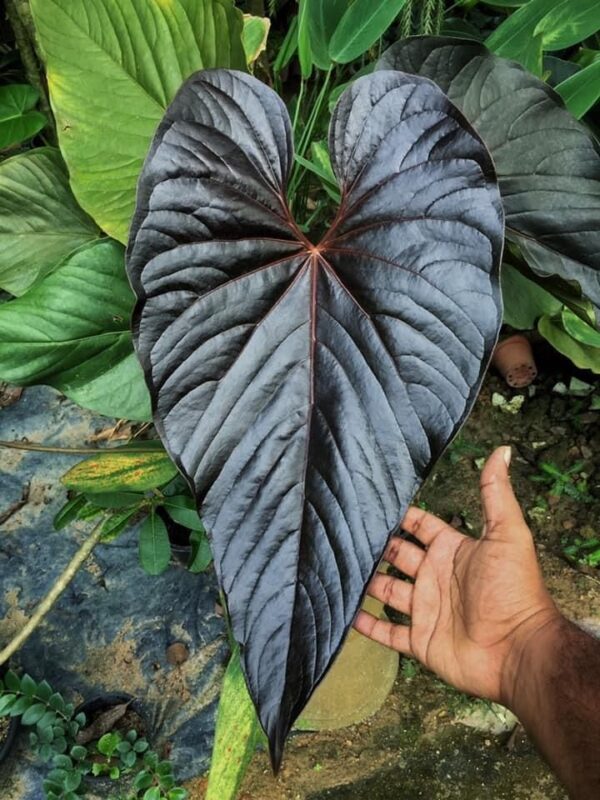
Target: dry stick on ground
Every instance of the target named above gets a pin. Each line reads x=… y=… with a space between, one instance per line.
x=55 y=592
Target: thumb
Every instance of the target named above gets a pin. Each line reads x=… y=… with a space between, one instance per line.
x=501 y=510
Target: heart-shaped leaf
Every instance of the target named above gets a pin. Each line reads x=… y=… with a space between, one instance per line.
x=548 y=164
x=305 y=390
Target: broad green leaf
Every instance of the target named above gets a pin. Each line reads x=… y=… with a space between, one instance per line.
x=40 y=222
x=362 y=24
x=323 y=18
x=254 y=36
x=235 y=736
x=515 y=39
x=547 y=163
x=113 y=66
x=580 y=330
x=524 y=300
x=568 y=23
x=582 y=355
x=582 y=90
x=154 y=546
x=120 y=471
x=28 y=686
x=18 y=119
x=304 y=45
x=182 y=509
x=71 y=331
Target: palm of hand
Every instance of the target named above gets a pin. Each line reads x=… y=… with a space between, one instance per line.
x=472 y=601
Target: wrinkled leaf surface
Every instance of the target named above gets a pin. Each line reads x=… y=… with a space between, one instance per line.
x=305 y=390
x=548 y=164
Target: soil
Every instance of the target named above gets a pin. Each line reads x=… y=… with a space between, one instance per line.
x=415 y=746
x=4 y=726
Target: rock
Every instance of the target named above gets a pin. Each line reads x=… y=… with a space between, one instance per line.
x=177 y=653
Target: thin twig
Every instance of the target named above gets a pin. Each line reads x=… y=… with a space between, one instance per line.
x=55 y=592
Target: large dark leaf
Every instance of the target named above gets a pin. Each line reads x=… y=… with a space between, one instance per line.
x=547 y=162
x=305 y=391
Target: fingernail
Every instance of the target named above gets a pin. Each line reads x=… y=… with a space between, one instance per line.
x=507 y=455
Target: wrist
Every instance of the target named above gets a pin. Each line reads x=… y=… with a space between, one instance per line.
x=530 y=657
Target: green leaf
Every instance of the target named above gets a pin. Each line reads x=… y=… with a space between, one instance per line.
x=142 y=780
x=33 y=714
x=57 y=703
x=71 y=331
x=44 y=691
x=113 y=66
x=362 y=24
x=182 y=509
x=581 y=355
x=515 y=39
x=525 y=301
x=567 y=23
x=12 y=681
x=582 y=90
x=47 y=722
x=73 y=780
x=108 y=743
x=505 y=3
x=69 y=512
x=288 y=47
x=121 y=471
x=62 y=762
x=201 y=552
x=129 y=758
x=547 y=163
x=154 y=546
x=18 y=120
x=235 y=735
x=152 y=794
x=116 y=524
x=254 y=36
x=114 y=500
x=323 y=17
x=178 y=794
x=40 y=221
x=78 y=752
x=28 y=686
x=20 y=706
x=578 y=329
x=304 y=45
x=6 y=703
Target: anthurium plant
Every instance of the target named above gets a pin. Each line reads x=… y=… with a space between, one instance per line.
x=305 y=224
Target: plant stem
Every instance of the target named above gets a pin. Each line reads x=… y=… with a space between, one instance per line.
x=43 y=448
x=298 y=106
x=55 y=592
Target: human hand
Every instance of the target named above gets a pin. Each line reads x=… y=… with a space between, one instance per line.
x=474 y=603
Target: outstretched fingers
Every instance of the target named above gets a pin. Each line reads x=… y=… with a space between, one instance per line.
x=423 y=525
x=392 y=592
x=380 y=630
